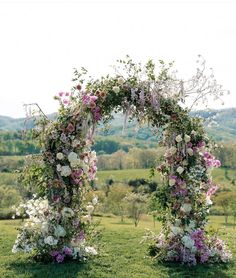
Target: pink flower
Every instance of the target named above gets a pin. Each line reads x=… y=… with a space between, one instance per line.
x=61 y=94
x=70 y=128
x=66 y=101
x=56 y=198
x=212 y=190
x=67 y=94
x=201 y=144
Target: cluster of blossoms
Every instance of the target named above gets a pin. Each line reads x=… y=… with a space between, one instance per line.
x=53 y=231
x=69 y=165
x=187 y=171
x=60 y=225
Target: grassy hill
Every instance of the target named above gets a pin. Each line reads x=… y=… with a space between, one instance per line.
x=220 y=124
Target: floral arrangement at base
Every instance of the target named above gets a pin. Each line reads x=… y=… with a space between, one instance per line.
x=60 y=225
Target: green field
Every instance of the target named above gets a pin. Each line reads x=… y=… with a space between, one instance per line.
x=221 y=176
x=121 y=256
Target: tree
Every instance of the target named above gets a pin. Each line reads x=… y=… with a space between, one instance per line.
x=115 y=200
x=136 y=205
x=224 y=200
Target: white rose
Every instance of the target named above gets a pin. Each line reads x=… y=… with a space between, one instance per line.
x=121 y=80
x=173 y=150
x=95 y=200
x=60 y=156
x=180 y=170
x=188 y=242
x=44 y=228
x=91 y=250
x=178 y=138
x=50 y=240
x=176 y=230
x=58 y=167
x=208 y=201
x=90 y=209
x=65 y=171
x=187 y=138
x=190 y=151
x=67 y=212
x=75 y=143
x=75 y=163
x=59 y=231
x=190 y=227
x=172 y=182
x=87 y=218
x=85 y=168
x=116 y=89
x=186 y=208
x=72 y=156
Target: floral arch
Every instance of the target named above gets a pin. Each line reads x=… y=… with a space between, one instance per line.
x=59 y=225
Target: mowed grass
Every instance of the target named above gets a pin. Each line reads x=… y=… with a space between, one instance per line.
x=121 y=255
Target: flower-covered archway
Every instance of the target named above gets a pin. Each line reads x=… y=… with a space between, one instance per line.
x=60 y=223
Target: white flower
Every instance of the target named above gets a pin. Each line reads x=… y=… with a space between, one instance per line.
x=95 y=200
x=75 y=143
x=90 y=208
x=185 y=162
x=59 y=231
x=176 y=230
x=187 y=138
x=188 y=242
x=60 y=156
x=44 y=228
x=91 y=250
x=180 y=170
x=121 y=80
x=116 y=89
x=172 y=182
x=190 y=227
x=75 y=163
x=193 y=132
x=172 y=150
x=208 y=201
x=72 y=156
x=85 y=168
x=186 y=208
x=65 y=171
x=190 y=151
x=67 y=212
x=178 y=138
x=58 y=167
x=50 y=240
x=87 y=218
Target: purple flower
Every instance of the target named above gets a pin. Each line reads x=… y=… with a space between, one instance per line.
x=67 y=251
x=54 y=253
x=201 y=144
x=60 y=258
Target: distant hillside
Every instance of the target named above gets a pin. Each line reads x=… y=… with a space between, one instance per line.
x=220 y=124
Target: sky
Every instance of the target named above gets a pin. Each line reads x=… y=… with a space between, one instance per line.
x=42 y=41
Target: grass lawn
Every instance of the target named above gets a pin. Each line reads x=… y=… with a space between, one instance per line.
x=121 y=255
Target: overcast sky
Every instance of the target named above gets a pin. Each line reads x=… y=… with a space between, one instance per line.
x=42 y=41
